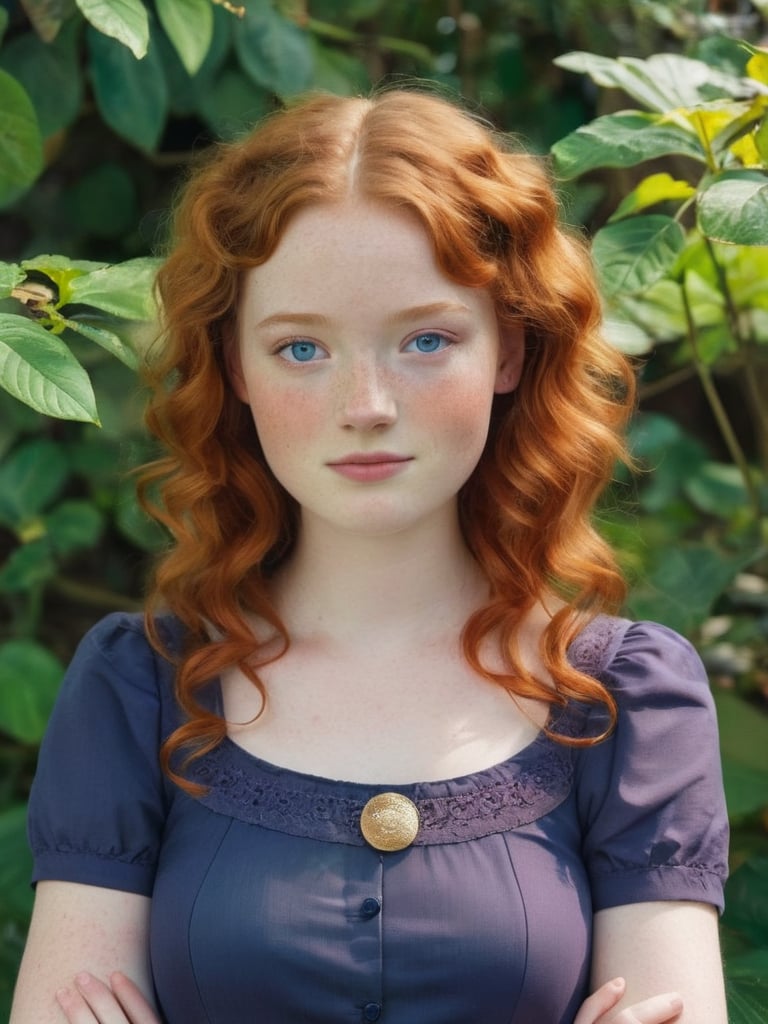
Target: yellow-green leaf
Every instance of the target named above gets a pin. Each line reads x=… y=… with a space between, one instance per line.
x=656 y=188
x=757 y=66
x=124 y=20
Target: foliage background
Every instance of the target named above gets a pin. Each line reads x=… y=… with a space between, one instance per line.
x=102 y=109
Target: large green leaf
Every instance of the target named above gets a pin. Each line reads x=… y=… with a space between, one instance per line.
x=123 y=290
x=275 y=52
x=746 y=788
x=105 y=339
x=131 y=95
x=747 y=1000
x=663 y=82
x=684 y=584
x=633 y=254
x=29 y=681
x=39 y=370
x=30 y=478
x=622 y=140
x=189 y=26
x=21 y=145
x=734 y=208
x=124 y=20
x=50 y=74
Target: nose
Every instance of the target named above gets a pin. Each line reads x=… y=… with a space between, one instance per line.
x=365 y=398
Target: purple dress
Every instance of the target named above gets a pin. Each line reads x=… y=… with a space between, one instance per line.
x=269 y=906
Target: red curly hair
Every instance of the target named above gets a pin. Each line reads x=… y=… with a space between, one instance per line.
x=492 y=216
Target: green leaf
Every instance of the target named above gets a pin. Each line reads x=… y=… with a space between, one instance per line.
x=29 y=681
x=656 y=188
x=684 y=584
x=16 y=895
x=633 y=254
x=627 y=337
x=21 y=145
x=30 y=478
x=339 y=72
x=747 y=1000
x=39 y=370
x=189 y=26
x=717 y=489
x=74 y=525
x=11 y=274
x=745 y=788
x=124 y=20
x=663 y=82
x=107 y=340
x=734 y=208
x=27 y=568
x=234 y=103
x=746 y=900
x=50 y=74
x=131 y=95
x=743 y=732
x=124 y=289
x=273 y=51
x=622 y=140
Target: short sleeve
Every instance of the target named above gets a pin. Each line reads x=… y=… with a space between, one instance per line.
x=97 y=805
x=651 y=797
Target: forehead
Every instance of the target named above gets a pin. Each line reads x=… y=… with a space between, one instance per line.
x=352 y=253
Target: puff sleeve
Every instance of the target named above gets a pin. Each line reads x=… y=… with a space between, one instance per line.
x=98 y=803
x=651 y=798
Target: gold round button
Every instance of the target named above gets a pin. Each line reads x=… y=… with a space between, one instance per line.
x=389 y=822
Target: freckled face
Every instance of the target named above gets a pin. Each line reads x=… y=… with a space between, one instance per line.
x=369 y=373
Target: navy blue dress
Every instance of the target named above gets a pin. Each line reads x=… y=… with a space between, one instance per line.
x=269 y=906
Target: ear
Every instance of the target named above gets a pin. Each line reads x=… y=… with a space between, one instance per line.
x=511 y=357
x=234 y=368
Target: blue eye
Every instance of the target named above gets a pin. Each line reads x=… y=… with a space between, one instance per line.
x=300 y=351
x=429 y=341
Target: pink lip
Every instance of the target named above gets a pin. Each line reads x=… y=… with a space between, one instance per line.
x=369 y=466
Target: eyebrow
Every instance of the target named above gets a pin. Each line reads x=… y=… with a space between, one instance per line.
x=402 y=316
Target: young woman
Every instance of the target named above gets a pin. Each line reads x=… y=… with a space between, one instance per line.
x=379 y=750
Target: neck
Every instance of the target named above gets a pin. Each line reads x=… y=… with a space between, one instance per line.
x=415 y=583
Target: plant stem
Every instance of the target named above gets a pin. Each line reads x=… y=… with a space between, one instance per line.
x=747 y=350
x=344 y=35
x=718 y=409
x=98 y=596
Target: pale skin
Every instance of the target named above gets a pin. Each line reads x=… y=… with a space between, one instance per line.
x=351 y=342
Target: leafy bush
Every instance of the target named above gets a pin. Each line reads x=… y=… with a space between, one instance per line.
x=102 y=106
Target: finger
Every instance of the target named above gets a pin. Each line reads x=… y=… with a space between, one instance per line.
x=74 y=1007
x=132 y=1000
x=100 y=998
x=600 y=1002
x=656 y=1010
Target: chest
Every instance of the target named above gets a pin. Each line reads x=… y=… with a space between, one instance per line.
x=377 y=716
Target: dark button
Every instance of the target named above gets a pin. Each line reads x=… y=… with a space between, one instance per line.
x=370 y=908
x=371 y=1011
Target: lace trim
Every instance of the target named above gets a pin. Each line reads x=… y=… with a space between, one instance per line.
x=498 y=800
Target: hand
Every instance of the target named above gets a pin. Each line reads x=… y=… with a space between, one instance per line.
x=90 y=1001
x=656 y=1010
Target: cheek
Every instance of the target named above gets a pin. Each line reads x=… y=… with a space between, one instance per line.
x=283 y=417
x=461 y=414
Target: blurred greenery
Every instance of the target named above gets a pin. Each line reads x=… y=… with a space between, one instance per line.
x=655 y=116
